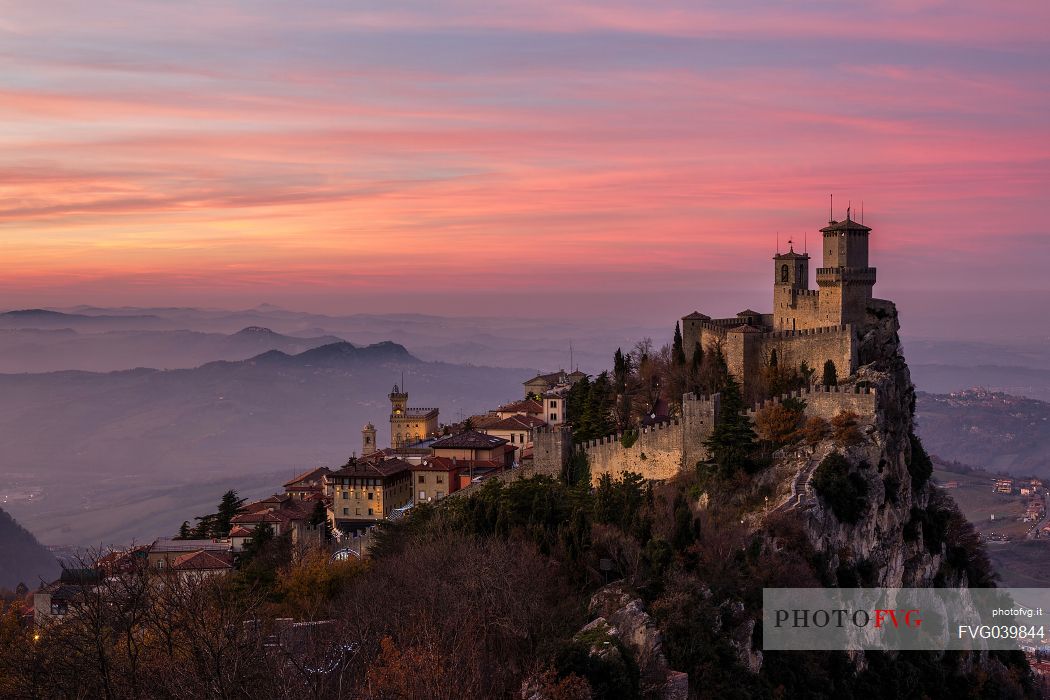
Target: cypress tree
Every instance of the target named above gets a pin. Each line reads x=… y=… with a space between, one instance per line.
x=678 y=351
x=830 y=375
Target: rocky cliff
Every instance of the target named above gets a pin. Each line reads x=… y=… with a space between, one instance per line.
x=886 y=545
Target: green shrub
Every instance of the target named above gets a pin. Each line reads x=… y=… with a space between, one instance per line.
x=629 y=438
x=844 y=491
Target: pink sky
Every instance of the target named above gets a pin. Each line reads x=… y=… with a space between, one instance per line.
x=502 y=157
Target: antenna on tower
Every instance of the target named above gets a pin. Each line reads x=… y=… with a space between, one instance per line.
x=862 y=212
x=778 y=242
x=831 y=209
x=849 y=205
x=805 y=242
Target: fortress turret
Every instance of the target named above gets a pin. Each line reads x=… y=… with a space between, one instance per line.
x=845 y=280
x=790 y=278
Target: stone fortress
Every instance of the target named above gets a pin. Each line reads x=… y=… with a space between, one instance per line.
x=807 y=325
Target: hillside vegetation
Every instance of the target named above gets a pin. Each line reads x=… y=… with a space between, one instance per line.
x=22 y=558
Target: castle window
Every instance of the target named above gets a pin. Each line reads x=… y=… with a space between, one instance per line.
x=784 y=273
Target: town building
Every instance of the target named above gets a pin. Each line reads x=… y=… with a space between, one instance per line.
x=434 y=478
x=284 y=514
x=365 y=491
x=308 y=485
x=165 y=550
x=409 y=425
x=197 y=566
x=517 y=430
x=475 y=445
x=542 y=383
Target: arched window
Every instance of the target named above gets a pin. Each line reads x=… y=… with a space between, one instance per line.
x=784 y=273
x=773 y=358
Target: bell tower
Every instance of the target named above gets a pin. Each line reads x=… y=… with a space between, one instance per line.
x=368 y=440
x=790 y=281
x=398 y=401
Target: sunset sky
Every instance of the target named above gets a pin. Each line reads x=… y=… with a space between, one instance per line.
x=513 y=157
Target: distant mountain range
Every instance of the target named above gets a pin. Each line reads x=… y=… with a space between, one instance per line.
x=62 y=348
x=986 y=429
x=22 y=558
x=508 y=340
x=85 y=439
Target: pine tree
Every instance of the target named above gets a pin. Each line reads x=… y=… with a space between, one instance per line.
x=184 y=531
x=228 y=507
x=732 y=442
x=599 y=407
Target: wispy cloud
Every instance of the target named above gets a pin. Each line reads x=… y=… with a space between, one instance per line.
x=153 y=147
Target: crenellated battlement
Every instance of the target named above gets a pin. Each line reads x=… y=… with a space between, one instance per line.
x=617 y=437
x=801 y=332
x=827 y=401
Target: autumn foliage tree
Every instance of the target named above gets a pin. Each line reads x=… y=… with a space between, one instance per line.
x=778 y=424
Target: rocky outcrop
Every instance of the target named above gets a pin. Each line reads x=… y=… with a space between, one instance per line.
x=875 y=548
x=620 y=614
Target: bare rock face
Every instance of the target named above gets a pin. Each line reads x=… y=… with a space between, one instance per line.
x=626 y=619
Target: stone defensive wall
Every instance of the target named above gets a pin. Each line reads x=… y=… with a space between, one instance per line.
x=813 y=346
x=828 y=401
x=655 y=454
x=659 y=451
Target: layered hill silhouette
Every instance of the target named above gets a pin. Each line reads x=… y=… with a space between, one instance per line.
x=90 y=440
x=89 y=347
x=23 y=559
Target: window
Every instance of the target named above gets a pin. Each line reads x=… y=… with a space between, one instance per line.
x=554 y=404
x=440 y=494
x=422 y=479
x=512 y=436
x=346 y=511
x=784 y=273
x=371 y=496
x=370 y=512
x=346 y=495
x=422 y=495
x=440 y=478
x=554 y=416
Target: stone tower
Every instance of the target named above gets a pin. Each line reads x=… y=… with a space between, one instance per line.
x=790 y=281
x=398 y=413
x=368 y=440
x=845 y=280
x=398 y=401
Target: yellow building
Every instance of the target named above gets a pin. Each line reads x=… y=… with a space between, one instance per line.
x=410 y=425
x=366 y=492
